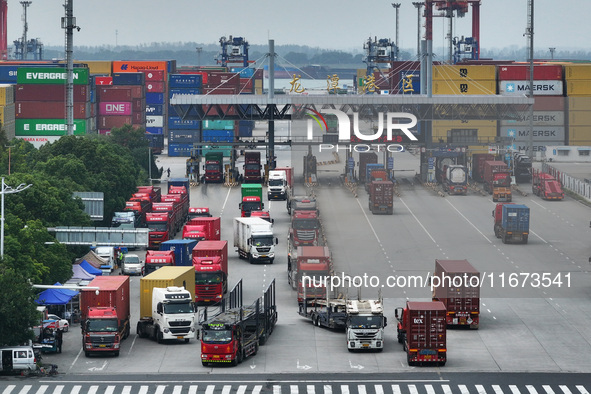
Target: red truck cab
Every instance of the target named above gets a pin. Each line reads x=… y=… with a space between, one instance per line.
x=158 y=258
x=263 y=215
x=313 y=265
x=153 y=191
x=182 y=191
x=160 y=228
x=197 y=212
x=191 y=231
x=249 y=204
x=546 y=186
x=210 y=259
x=211 y=227
x=305 y=228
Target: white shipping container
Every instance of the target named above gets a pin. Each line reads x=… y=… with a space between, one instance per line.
x=521 y=88
x=541 y=118
x=540 y=133
x=154 y=121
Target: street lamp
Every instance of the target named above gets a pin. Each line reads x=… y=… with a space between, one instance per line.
x=7 y=190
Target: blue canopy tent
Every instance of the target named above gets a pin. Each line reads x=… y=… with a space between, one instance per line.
x=90 y=268
x=60 y=296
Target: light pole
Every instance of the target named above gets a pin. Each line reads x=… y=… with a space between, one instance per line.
x=7 y=190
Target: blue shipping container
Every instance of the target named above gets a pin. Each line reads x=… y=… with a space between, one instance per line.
x=172 y=92
x=154 y=98
x=129 y=78
x=244 y=72
x=175 y=122
x=156 y=140
x=410 y=82
x=515 y=217
x=183 y=250
x=244 y=131
x=155 y=130
x=184 y=136
x=154 y=109
x=176 y=149
x=184 y=81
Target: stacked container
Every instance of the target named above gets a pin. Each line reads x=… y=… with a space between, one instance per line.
x=464 y=80
x=7 y=109
x=40 y=109
x=578 y=90
x=548 y=122
x=121 y=103
x=182 y=134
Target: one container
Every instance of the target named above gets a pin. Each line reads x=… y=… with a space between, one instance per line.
x=115 y=108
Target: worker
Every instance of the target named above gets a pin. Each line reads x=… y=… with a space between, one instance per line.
x=168 y=172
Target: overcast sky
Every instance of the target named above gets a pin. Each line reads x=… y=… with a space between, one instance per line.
x=334 y=24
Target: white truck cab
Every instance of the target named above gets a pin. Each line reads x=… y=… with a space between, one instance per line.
x=365 y=325
x=277 y=188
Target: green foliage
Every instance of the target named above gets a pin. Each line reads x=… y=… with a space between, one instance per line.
x=17 y=310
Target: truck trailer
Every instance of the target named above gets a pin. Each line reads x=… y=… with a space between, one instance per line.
x=497 y=180
x=210 y=259
x=546 y=186
x=511 y=223
x=381 y=197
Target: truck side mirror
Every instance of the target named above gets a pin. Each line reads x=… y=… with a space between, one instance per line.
x=385 y=321
x=159 y=308
x=248 y=241
x=240 y=206
x=276 y=240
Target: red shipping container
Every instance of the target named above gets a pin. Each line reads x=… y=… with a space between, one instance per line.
x=138 y=104
x=139 y=117
x=104 y=132
x=49 y=110
x=219 y=90
x=113 y=95
x=217 y=78
x=109 y=122
x=246 y=85
x=154 y=75
x=155 y=87
x=99 y=81
x=92 y=110
x=114 y=108
x=204 y=76
x=34 y=92
x=212 y=226
x=520 y=72
x=137 y=91
x=549 y=103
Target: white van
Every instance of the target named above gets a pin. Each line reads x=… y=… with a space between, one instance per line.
x=17 y=358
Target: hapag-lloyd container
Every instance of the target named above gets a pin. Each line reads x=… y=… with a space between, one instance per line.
x=46 y=75
x=155 y=87
x=134 y=66
x=45 y=127
x=521 y=88
x=154 y=75
x=29 y=92
x=109 y=122
x=49 y=110
x=520 y=72
x=115 y=108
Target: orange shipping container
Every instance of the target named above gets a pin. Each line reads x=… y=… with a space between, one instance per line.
x=463 y=72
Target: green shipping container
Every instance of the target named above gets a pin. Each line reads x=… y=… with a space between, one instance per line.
x=226 y=150
x=50 y=76
x=29 y=127
x=252 y=189
x=218 y=125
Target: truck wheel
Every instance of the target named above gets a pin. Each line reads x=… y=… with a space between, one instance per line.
x=504 y=238
x=87 y=354
x=249 y=258
x=441 y=363
x=139 y=331
x=203 y=363
x=525 y=239
x=187 y=340
x=256 y=349
x=117 y=353
x=262 y=340
x=159 y=336
x=271 y=261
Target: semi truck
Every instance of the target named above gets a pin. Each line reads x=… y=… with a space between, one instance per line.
x=161 y=228
x=455 y=179
x=306 y=273
x=194 y=232
x=365 y=324
x=156 y=259
x=167 y=309
x=422 y=330
x=301 y=203
x=478 y=160
x=104 y=314
x=198 y=212
x=329 y=313
x=180 y=199
x=179 y=182
x=305 y=229
x=173 y=210
x=280 y=183
x=459 y=293
x=252 y=167
x=366 y=158
x=381 y=197
x=182 y=249
x=153 y=191
x=126 y=220
x=210 y=260
x=252 y=199
x=233 y=335
x=497 y=180
x=212 y=226
x=522 y=167
x=253 y=237
x=546 y=186
x=214 y=167
x=511 y=223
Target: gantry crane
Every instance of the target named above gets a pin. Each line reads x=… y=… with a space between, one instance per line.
x=234 y=50
x=3 y=30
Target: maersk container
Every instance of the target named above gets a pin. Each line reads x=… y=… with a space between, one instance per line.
x=176 y=149
x=175 y=122
x=154 y=98
x=154 y=109
x=458 y=291
x=184 y=81
x=129 y=78
x=50 y=93
x=182 y=248
x=162 y=278
x=515 y=218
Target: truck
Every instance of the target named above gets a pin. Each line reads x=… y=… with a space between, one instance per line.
x=179 y=182
x=522 y=167
x=194 y=232
x=455 y=179
x=182 y=249
x=546 y=186
x=161 y=228
x=370 y=168
x=306 y=273
x=478 y=160
x=198 y=212
x=329 y=312
x=253 y=237
x=460 y=296
x=109 y=254
x=214 y=167
x=365 y=324
x=280 y=183
x=511 y=223
x=139 y=208
x=376 y=174
x=179 y=207
x=381 y=197
x=105 y=314
x=422 y=330
x=167 y=310
x=210 y=260
x=305 y=229
x=233 y=335
x=252 y=199
x=301 y=202
x=126 y=220
x=212 y=227
x=497 y=180
x=181 y=202
x=252 y=167
x=365 y=158
x=153 y=191
x=156 y=259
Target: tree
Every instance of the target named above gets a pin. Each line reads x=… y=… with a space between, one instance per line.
x=17 y=308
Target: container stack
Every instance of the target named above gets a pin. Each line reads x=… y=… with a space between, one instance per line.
x=578 y=90
x=121 y=103
x=182 y=134
x=548 y=119
x=464 y=80
x=40 y=109
x=7 y=109
x=219 y=131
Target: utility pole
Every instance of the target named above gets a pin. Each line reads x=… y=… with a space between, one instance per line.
x=25 y=5
x=552 y=50
x=69 y=24
x=530 y=34
x=418 y=5
x=397 y=8
x=271 y=96
x=199 y=50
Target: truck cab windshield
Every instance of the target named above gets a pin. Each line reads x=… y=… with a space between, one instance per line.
x=160 y=226
x=365 y=321
x=307 y=224
x=212 y=167
x=181 y=307
x=253 y=167
x=262 y=241
x=207 y=279
x=102 y=325
x=251 y=206
x=275 y=182
x=221 y=336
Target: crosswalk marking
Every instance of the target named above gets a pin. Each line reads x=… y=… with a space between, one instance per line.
x=548 y=389
x=76 y=389
x=293 y=389
x=413 y=389
x=379 y=389
x=430 y=389
x=344 y=389
x=497 y=389
x=514 y=389
x=480 y=388
x=327 y=389
x=565 y=389
x=361 y=389
x=126 y=390
x=143 y=390
x=25 y=389
x=582 y=389
x=446 y=389
x=42 y=389
x=58 y=389
x=395 y=389
x=92 y=389
x=276 y=389
x=311 y=389
x=531 y=389
x=226 y=389
x=241 y=389
x=463 y=389
x=8 y=389
x=177 y=389
x=257 y=389
x=209 y=389
x=110 y=389
x=193 y=389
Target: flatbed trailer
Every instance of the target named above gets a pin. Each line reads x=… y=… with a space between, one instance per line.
x=329 y=313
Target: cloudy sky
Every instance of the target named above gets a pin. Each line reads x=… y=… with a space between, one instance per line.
x=335 y=24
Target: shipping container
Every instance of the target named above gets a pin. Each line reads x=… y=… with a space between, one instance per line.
x=134 y=66
x=520 y=72
x=549 y=103
x=110 y=122
x=49 y=110
x=45 y=75
x=155 y=121
x=579 y=118
x=540 y=118
x=154 y=109
x=478 y=160
x=138 y=119
x=7 y=114
x=115 y=108
x=155 y=140
x=467 y=87
x=46 y=127
x=177 y=91
x=38 y=141
x=184 y=81
x=218 y=78
x=218 y=125
x=113 y=292
x=577 y=71
x=578 y=88
x=579 y=135
x=174 y=122
x=365 y=158
x=540 y=133
x=137 y=91
x=220 y=90
x=155 y=87
x=182 y=249
x=7 y=94
x=98 y=66
x=458 y=287
x=246 y=72
x=155 y=130
x=184 y=136
x=162 y=278
x=541 y=88
x=155 y=98
x=194 y=72
x=30 y=92
x=154 y=75
x=102 y=80
x=138 y=105
x=176 y=149
x=114 y=95
x=579 y=103
x=464 y=72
